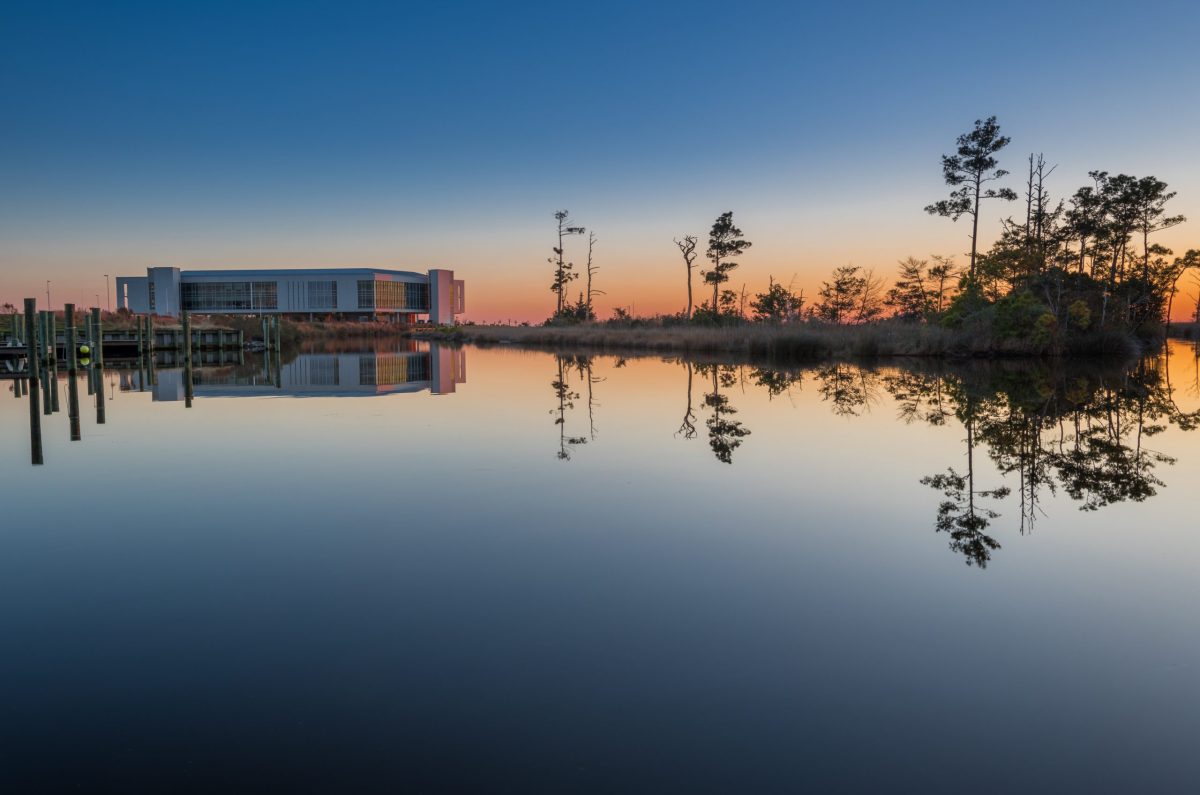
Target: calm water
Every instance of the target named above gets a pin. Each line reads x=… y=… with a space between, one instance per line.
x=508 y=571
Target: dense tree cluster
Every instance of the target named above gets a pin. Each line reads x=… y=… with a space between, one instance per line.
x=1086 y=265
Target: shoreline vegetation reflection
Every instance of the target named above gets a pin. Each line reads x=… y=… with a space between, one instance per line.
x=1045 y=427
x=1083 y=429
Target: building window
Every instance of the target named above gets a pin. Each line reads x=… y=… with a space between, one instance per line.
x=411 y=296
x=366 y=294
x=322 y=295
x=416 y=296
x=229 y=296
x=266 y=295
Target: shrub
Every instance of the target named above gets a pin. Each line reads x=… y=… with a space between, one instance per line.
x=1079 y=315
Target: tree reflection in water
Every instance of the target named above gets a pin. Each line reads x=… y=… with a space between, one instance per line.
x=1044 y=427
x=566 y=397
x=1047 y=426
x=725 y=434
x=1083 y=432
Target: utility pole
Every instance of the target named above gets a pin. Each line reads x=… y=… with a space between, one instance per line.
x=48 y=295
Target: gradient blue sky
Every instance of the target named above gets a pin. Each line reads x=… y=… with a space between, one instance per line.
x=446 y=134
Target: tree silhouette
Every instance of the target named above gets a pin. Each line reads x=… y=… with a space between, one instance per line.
x=687 y=249
x=968 y=170
x=724 y=242
x=563 y=271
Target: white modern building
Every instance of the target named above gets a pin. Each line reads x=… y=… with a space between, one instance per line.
x=355 y=293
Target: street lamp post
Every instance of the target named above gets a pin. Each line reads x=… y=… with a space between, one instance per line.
x=48 y=295
x=108 y=293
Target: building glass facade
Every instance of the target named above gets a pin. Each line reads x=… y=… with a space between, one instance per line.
x=229 y=296
x=396 y=295
x=322 y=295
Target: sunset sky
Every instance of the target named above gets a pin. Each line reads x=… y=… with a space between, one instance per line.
x=411 y=136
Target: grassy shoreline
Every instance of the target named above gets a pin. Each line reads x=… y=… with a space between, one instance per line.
x=795 y=343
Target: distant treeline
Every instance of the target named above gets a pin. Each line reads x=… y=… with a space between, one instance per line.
x=1064 y=269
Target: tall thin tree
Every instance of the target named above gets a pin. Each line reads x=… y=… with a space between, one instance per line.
x=968 y=170
x=1152 y=198
x=563 y=271
x=592 y=270
x=724 y=242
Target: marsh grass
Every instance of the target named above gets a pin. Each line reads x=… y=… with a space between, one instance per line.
x=782 y=343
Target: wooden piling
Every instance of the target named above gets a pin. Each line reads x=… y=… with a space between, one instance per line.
x=98 y=364
x=31 y=356
x=73 y=405
x=98 y=328
x=72 y=352
x=41 y=331
x=52 y=322
x=69 y=331
x=47 y=405
x=101 y=406
x=187 y=336
x=187 y=359
x=89 y=340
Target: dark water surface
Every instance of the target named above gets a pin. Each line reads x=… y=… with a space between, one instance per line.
x=505 y=571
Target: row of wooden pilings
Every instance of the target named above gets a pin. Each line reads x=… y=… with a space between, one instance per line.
x=41 y=368
x=145 y=335
x=39 y=337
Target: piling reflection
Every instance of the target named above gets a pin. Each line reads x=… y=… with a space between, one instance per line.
x=1022 y=431
x=414 y=368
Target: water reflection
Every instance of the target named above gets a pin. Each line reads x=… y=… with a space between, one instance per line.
x=565 y=397
x=1084 y=429
x=1029 y=430
x=438 y=369
x=725 y=434
x=1087 y=433
x=416 y=368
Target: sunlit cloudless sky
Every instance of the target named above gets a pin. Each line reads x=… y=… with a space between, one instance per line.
x=418 y=135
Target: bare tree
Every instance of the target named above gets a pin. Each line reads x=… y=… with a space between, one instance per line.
x=687 y=247
x=942 y=276
x=688 y=426
x=870 y=300
x=592 y=269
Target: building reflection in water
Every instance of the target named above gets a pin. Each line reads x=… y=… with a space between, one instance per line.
x=438 y=369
